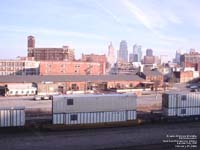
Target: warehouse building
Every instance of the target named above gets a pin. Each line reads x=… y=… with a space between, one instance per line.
x=70 y=68
x=69 y=83
x=53 y=54
x=20 y=66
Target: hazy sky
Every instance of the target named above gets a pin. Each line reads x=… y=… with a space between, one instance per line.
x=89 y=25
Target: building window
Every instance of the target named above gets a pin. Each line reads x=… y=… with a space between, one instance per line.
x=183 y=111
x=183 y=97
x=74 y=117
x=70 y=101
x=74 y=87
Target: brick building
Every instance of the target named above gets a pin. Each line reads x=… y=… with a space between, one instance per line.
x=20 y=66
x=183 y=76
x=70 y=68
x=153 y=78
x=96 y=58
x=64 y=53
x=191 y=59
x=149 y=60
x=69 y=83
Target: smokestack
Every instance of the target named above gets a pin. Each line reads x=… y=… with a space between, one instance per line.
x=31 y=42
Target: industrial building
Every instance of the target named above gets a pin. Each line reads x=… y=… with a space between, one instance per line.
x=71 y=83
x=19 y=66
x=13 y=89
x=94 y=108
x=191 y=59
x=53 y=54
x=96 y=58
x=71 y=68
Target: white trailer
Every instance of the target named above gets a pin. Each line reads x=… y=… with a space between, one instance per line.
x=12 y=116
x=93 y=108
x=181 y=104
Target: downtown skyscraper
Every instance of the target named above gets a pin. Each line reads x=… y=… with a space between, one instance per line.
x=111 y=54
x=123 y=52
x=137 y=53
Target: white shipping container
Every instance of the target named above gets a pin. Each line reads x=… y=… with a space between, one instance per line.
x=94 y=103
x=94 y=117
x=185 y=111
x=169 y=111
x=12 y=117
x=58 y=118
x=180 y=100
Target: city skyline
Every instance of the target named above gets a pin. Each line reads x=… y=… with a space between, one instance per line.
x=90 y=25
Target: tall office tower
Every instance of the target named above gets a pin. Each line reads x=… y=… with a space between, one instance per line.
x=137 y=52
x=31 y=42
x=178 y=56
x=149 y=52
x=123 y=52
x=111 y=54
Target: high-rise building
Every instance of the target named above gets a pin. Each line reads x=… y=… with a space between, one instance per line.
x=54 y=54
x=178 y=57
x=149 y=52
x=123 y=52
x=111 y=54
x=137 y=52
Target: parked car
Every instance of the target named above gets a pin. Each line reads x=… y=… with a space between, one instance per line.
x=37 y=97
x=45 y=97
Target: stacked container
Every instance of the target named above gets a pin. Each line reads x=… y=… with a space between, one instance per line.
x=181 y=104
x=93 y=108
x=12 y=116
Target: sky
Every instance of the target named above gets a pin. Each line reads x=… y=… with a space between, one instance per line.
x=88 y=26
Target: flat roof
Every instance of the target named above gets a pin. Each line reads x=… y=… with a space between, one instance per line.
x=13 y=108
x=182 y=92
x=97 y=95
x=68 y=78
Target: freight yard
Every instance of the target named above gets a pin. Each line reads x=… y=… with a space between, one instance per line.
x=52 y=125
